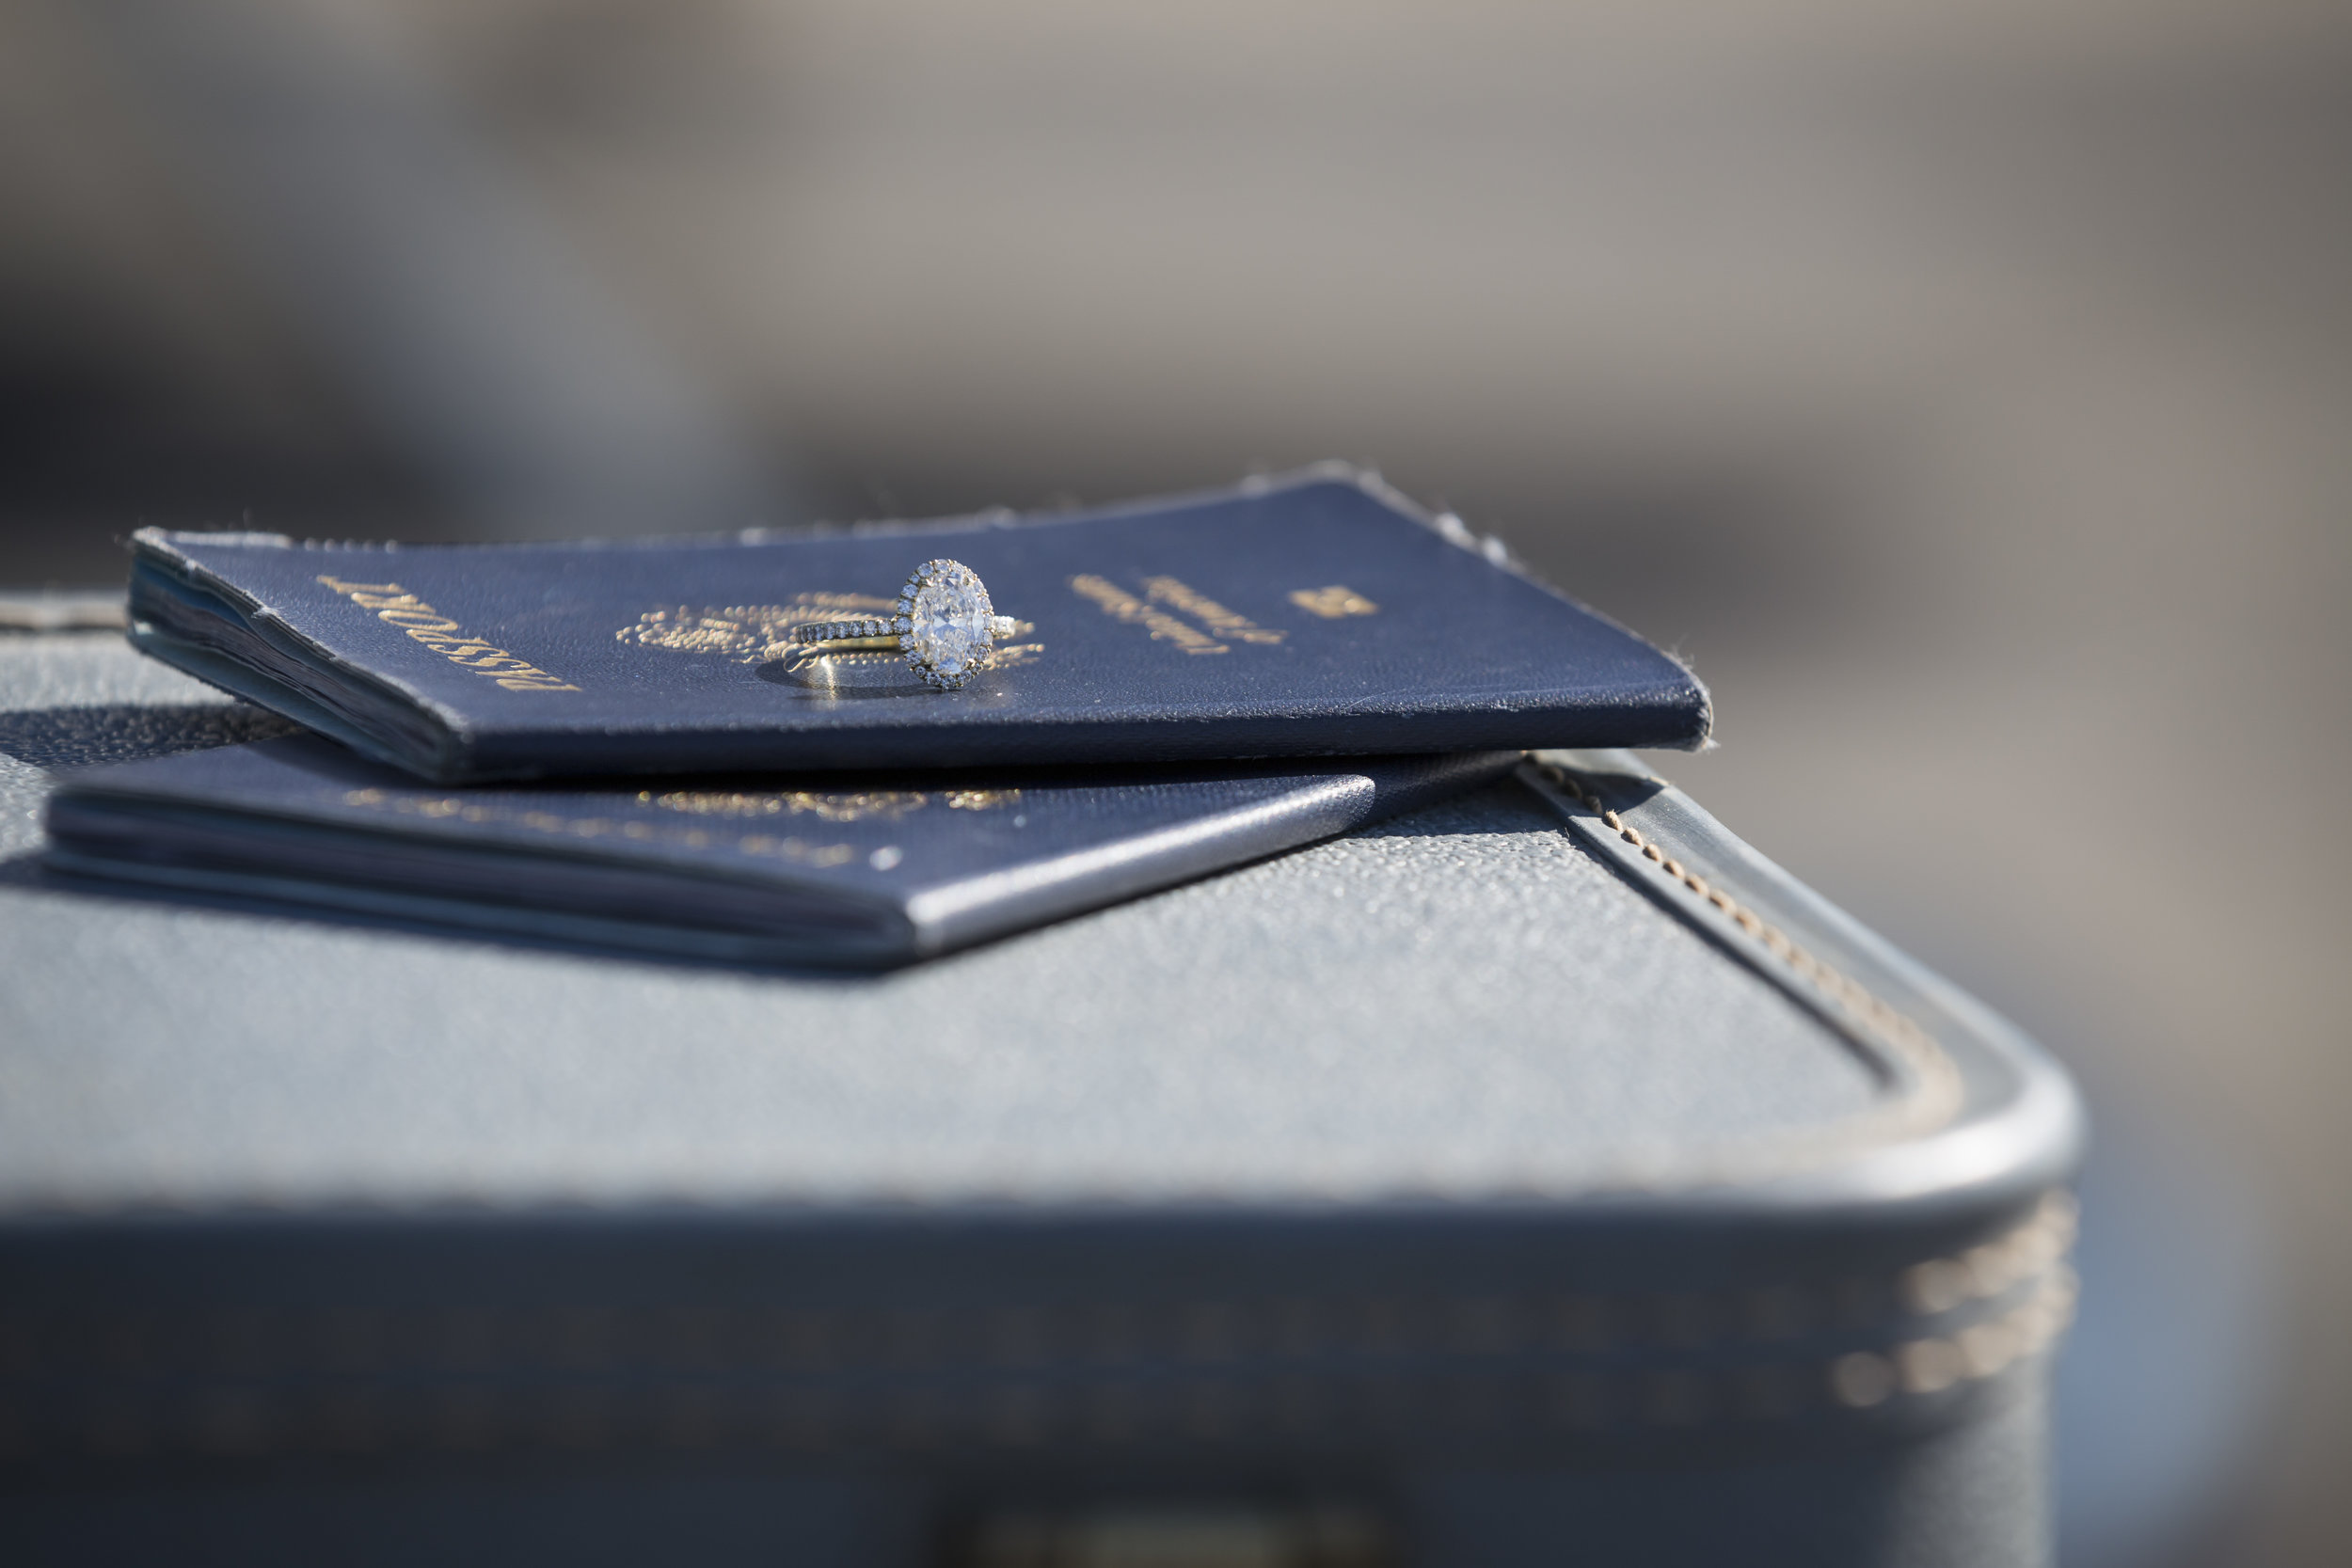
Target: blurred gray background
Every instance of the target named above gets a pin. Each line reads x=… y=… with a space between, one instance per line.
x=1965 y=387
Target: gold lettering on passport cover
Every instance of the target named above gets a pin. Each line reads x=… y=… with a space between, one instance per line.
x=395 y=606
x=758 y=633
x=479 y=811
x=1334 y=602
x=1120 y=605
x=1174 y=592
x=747 y=634
x=843 y=806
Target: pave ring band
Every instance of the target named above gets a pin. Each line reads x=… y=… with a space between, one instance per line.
x=943 y=623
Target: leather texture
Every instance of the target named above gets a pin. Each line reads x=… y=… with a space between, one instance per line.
x=1314 y=616
x=1455 y=1172
x=818 y=869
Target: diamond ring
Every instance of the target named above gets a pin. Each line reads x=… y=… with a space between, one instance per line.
x=943 y=624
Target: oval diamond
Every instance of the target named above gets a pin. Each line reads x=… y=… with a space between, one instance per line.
x=950 y=625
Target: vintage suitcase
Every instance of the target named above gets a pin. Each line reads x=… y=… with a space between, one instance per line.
x=1543 y=1176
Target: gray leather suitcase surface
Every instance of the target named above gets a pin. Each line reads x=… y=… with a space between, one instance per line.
x=1544 y=1177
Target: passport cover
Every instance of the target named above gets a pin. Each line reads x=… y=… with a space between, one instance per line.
x=853 y=872
x=1318 y=615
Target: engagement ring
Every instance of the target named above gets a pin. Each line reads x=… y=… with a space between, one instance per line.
x=943 y=624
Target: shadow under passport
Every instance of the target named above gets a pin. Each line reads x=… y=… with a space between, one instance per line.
x=127 y=732
x=31 y=872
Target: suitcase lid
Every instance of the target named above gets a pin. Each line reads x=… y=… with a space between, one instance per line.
x=1559 y=1072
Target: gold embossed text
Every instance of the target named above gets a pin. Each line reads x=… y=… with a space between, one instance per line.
x=1121 y=605
x=1333 y=602
x=1177 y=594
x=395 y=606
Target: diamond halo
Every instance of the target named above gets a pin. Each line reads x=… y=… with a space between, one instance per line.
x=946 y=625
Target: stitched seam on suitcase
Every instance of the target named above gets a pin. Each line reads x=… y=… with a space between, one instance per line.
x=1929 y=1091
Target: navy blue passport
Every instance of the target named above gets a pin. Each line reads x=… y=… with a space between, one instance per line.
x=1319 y=615
x=825 y=870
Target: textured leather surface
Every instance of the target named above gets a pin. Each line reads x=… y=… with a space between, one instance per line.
x=1395 y=1169
x=1462 y=999
x=764 y=869
x=1169 y=631
x=1487 y=1008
